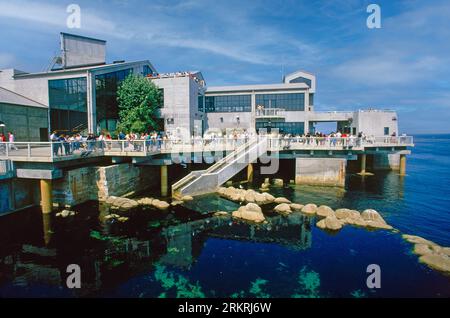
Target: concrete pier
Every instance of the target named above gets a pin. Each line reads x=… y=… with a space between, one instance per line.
x=250 y=173
x=46 y=195
x=402 y=165
x=320 y=171
x=164 y=181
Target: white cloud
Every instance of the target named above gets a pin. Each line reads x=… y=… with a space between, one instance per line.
x=6 y=60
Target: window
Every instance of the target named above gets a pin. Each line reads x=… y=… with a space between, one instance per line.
x=311 y=99
x=289 y=101
x=307 y=81
x=68 y=104
x=293 y=128
x=386 y=131
x=106 y=86
x=201 y=100
x=228 y=103
x=146 y=71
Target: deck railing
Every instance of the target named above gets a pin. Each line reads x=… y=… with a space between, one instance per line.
x=57 y=151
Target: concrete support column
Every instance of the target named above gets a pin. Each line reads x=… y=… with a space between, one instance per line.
x=402 y=165
x=363 y=164
x=46 y=195
x=164 y=181
x=320 y=171
x=250 y=172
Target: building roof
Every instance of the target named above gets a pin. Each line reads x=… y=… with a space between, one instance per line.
x=80 y=69
x=9 y=97
x=259 y=87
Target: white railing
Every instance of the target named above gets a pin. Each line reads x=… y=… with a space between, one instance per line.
x=55 y=151
x=270 y=112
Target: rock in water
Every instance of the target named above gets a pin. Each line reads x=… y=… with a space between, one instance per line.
x=278 y=182
x=283 y=209
x=437 y=261
x=250 y=212
x=282 y=200
x=342 y=214
x=296 y=207
x=372 y=215
x=310 y=209
x=161 y=205
x=145 y=201
x=187 y=198
x=330 y=223
x=324 y=211
x=417 y=239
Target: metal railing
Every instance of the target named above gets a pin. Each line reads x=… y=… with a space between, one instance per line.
x=55 y=151
x=270 y=112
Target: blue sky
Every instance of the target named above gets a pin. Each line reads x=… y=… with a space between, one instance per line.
x=405 y=65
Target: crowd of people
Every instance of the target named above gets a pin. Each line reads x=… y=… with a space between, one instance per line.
x=68 y=144
x=10 y=138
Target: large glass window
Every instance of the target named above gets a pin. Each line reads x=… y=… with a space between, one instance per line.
x=289 y=101
x=228 y=103
x=68 y=104
x=307 y=81
x=146 y=71
x=106 y=86
x=293 y=128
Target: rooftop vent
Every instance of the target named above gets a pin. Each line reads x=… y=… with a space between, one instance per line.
x=119 y=61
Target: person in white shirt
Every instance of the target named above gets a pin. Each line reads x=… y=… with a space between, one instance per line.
x=11 y=139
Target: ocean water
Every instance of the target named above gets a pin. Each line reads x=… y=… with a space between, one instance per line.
x=187 y=252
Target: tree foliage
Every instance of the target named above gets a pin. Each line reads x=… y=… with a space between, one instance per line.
x=139 y=100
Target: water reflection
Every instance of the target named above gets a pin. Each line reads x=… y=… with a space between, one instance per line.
x=110 y=253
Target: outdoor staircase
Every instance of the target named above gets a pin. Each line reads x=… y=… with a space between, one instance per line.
x=207 y=181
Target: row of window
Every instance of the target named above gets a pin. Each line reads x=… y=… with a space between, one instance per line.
x=228 y=103
x=243 y=103
x=291 y=101
x=294 y=128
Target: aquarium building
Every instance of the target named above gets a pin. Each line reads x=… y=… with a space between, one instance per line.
x=79 y=91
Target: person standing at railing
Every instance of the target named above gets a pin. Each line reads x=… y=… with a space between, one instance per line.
x=55 y=144
x=11 y=139
x=90 y=142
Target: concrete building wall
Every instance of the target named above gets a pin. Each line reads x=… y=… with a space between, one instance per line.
x=373 y=122
x=97 y=183
x=180 y=104
x=320 y=171
x=24 y=121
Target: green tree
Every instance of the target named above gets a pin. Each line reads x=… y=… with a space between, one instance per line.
x=138 y=100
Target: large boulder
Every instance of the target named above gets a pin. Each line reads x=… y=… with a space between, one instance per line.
x=111 y=199
x=372 y=215
x=161 y=205
x=437 y=261
x=374 y=220
x=296 y=207
x=260 y=199
x=123 y=204
x=250 y=212
x=283 y=208
x=324 y=211
x=145 y=201
x=330 y=223
x=187 y=198
x=309 y=209
x=281 y=200
x=269 y=198
x=250 y=196
x=278 y=182
x=342 y=214
x=414 y=239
